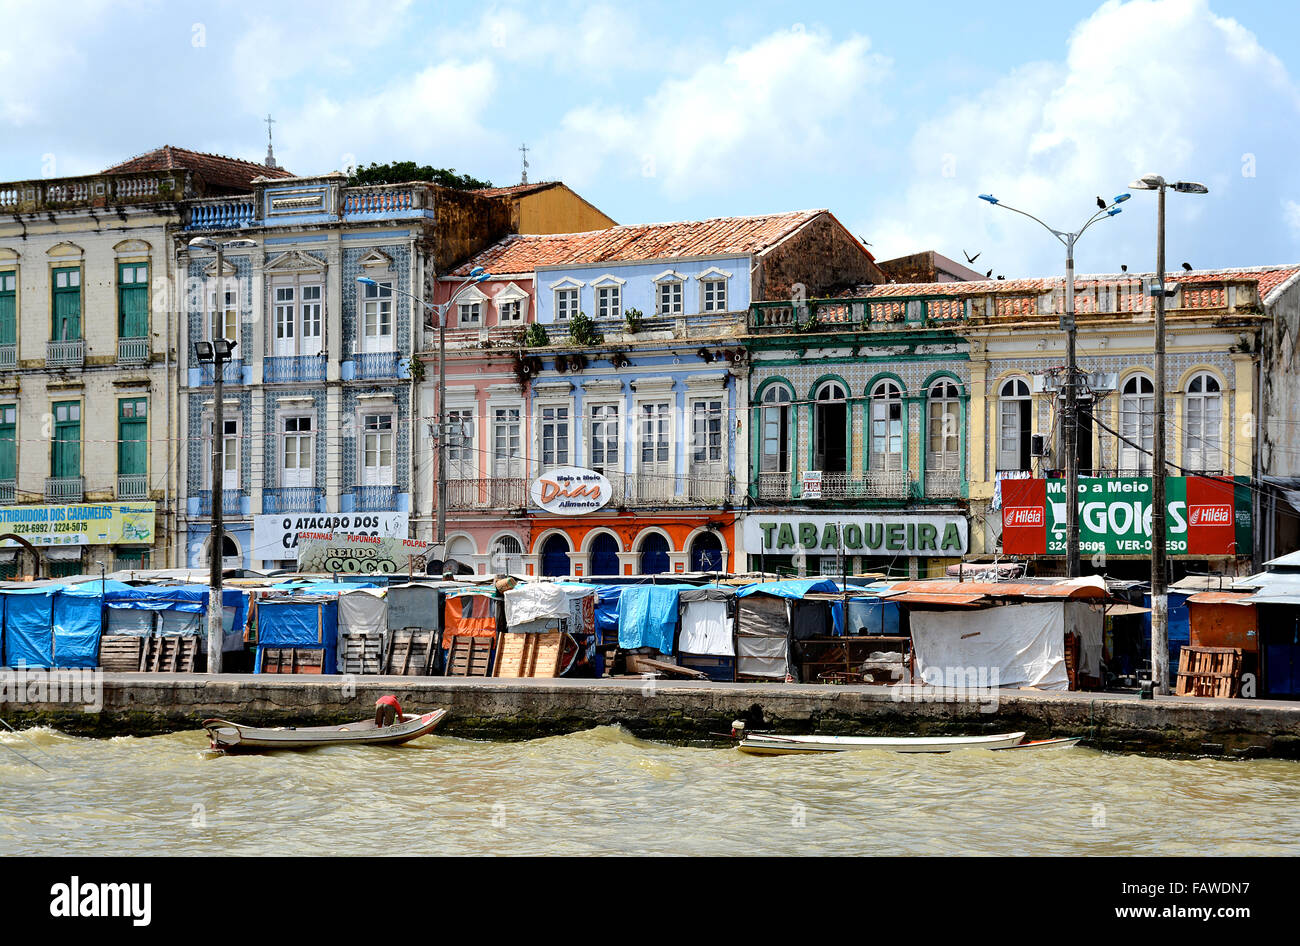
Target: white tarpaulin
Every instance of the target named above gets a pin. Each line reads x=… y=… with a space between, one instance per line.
x=763 y=638
x=538 y=601
x=1023 y=643
x=705 y=629
x=1088 y=621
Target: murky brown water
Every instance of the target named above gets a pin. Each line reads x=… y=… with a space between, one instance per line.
x=605 y=792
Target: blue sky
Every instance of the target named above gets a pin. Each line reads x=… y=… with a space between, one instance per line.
x=892 y=115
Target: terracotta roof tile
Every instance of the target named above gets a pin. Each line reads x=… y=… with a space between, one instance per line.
x=517 y=190
x=718 y=236
x=217 y=170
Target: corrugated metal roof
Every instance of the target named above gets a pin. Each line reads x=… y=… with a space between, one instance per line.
x=957 y=601
x=1222 y=597
x=1003 y=589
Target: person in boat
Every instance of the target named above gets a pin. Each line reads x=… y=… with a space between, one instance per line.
x=387 y=711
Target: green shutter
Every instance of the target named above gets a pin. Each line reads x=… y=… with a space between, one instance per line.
x=8 y=442
x=67 y=305
x=132 y=434
x=8 y=309
x=132 y=300
x=67 y=439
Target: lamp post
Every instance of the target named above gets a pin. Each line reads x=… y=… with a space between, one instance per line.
x=476 y=275
x=217 y=352
x=1159 y=578
x=1071 y=390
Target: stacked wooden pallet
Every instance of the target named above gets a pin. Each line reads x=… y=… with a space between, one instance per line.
x=293 y=659
x=469 y=656
x=126 y=653
x=411 y=652
x=529 y=655
x=361 y=653
x=1209 y=671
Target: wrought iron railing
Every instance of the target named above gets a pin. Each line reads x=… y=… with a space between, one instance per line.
x=132 y=351
x=132 y=486
x=231 y=502
x=378 y=364
x=374 y=498
x=8 y=492
x=70 y=353
x=65 y=489
x=943 y=484
x=8 y=356
x=487 y=493
x=293 y=499
x=280 y=368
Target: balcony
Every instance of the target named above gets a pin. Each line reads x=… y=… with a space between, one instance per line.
x=132 y=351
x=65 y=354
x=232 y=372
x=378 y=364
x=97 y=190
x=704 y=487
x=230 y=502
x=943 y=484
x=8 y=492
x=889 y=484
x=850 y=315
x=374 y=498
x=387 y=200
x=221 y=213
x=281 y=368
x=132 y=486
x=8 y=356
x=65 y=489
x=488 y=493
x=293 y=499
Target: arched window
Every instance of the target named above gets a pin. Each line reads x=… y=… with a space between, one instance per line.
x=774 y=446
x=1137 y=424
x=654 y=555
x=1014 y=425
x=706 y=553
x=555 y=557
x=886 y=427
x=461 y=549
x=944 y=452
x=604 y=555
x=1203 y=450
x=507 y=556
x=830 y=423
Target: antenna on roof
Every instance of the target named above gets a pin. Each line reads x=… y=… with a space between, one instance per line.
x=270 y=155
x=523 y=175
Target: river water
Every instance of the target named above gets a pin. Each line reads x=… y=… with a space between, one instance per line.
x=605 y=792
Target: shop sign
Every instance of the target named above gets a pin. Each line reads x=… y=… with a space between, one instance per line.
x=943 y=536
x=276 y=537
x=811 y=484
x=570 y=491
x=80 y=524
x=1203 y=516
x=360 y=554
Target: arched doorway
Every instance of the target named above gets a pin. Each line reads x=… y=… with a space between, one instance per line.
x=555 y=557
x=654 y=555
x=604 y=555
x=831 y=429
x=706 y=553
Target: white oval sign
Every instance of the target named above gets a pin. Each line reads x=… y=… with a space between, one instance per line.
x=570 y=491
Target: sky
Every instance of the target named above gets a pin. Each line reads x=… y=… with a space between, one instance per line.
x=893 y=116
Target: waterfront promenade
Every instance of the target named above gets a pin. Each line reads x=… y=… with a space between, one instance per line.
x=151 y=703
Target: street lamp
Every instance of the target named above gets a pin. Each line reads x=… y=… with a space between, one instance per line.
x=476 y=275
x=217 y=353
x=1070 y=413
x=1159 y=581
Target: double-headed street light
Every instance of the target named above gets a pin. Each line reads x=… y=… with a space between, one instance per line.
x=217 y=352
x=476 y=275
x=1070 y=392
x=1159 y=580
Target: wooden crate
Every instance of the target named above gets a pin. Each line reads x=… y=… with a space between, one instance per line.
x=529 y=655
x=410 y=652
x=469 y=656
x=1209 y=671
x=120 y=653
x=293 y=659
x=361 y=653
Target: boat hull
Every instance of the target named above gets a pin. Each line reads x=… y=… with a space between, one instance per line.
x=766 y=744
x=234 y=737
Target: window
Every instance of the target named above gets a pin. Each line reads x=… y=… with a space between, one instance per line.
x=706 y=432
x=774 y=455
x=298 y=320
x=223 y=319
x=296 y=465
x=714 y=295
x=471 y=313
x=65 y=454
x=831 y=428
x=312 y=322
x=8 y=442
x=609 y=304
x=229 y=454
x=886 y=427
x=66 y=310
x=654 y=434
x=670 y=297
x=286 y=321
x=1014 y=425
x=125 y=560
x=460 y=444
x=507 y=556
x=555 y=436
x=506 y=459
x=132 y=300
x=377 y=317
x=566 y=304
x=604 y=437
x=377 y=450
x=1137 y=424
x=945 y=428
x=1202 y=449
x=8 y=308
x=510 y=311
x=132 y=436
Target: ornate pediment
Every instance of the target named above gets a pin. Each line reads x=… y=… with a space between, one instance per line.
x=65 y=251
x=295 y=261
x=376 y=259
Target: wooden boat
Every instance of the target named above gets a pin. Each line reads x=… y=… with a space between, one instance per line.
x=1063 y=743
x=769 y=744
x=233 y=737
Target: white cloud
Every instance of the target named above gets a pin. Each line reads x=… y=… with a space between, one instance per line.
x=1291 y=214
x=780 y=106
x=1149 y=85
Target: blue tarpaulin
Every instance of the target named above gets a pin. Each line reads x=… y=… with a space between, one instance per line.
x=792 y=588
x=29 y=640
x=647 y=616
x=287 y=622
x=174 y=601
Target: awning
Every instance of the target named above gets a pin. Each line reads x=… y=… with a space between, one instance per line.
x=1120 y=609
x=62 y=553
x=958 y=601
x=8 y=555
x=1222 y=597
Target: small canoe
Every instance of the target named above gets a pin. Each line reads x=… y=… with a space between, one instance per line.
x=233 y=737
x=1063 y=743
x=769 y=744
